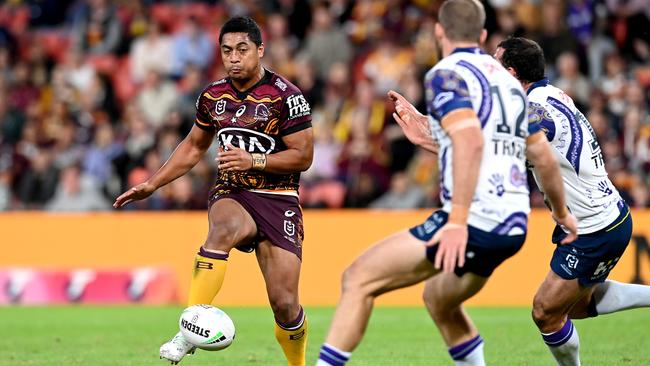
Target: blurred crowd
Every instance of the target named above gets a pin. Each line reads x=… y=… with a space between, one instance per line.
x=96 y=94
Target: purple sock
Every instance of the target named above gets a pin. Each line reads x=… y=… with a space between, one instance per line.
x=560 y=337
x=332 y=357
x=461 y=351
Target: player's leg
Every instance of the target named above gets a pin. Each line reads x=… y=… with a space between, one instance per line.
x=611 y=297
x=230 y=225
x=395 y=262
x=444 y=295
x=281 y=271
x=551 y=305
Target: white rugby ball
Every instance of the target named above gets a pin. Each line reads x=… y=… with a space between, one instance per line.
x=207 y=327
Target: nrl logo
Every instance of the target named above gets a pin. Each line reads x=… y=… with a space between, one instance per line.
x=220 y=106
x=289 y=227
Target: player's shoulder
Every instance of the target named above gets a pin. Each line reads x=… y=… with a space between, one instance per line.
x=216 y=87
x=283 y=86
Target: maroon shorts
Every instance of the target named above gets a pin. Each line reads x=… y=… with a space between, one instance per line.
x=278 y=217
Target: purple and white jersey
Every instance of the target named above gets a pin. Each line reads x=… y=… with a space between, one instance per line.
x=469 y=78
x=590 y=194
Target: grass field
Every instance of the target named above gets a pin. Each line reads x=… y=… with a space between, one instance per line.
x=130 y=336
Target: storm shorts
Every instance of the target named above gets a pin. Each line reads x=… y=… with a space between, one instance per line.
x=485 y=251
x=592 y=256
x=278 y=217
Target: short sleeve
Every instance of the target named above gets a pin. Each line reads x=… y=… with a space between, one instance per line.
x=203 y=119
x=295 y=114
x=447 y=92
x=540 y=120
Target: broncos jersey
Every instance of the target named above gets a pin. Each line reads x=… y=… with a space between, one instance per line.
x=255 y=120
x=469 y=78
x=590 y=194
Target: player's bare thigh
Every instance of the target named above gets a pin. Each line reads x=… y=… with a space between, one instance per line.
x=447 y=290
x=230 y=226
x=395 y=262
x=281 y=271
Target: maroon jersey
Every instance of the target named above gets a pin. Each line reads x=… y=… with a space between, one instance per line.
x=254 y=120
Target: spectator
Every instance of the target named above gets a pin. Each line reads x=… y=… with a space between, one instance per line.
x=402 y=194
x=97 y=29
x=326 y=43
x=77 y=192
x=157 y=99
x=191 y=46
x=571 y=80
x=152 y=51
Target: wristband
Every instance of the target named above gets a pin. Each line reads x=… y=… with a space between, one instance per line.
x=259 y=161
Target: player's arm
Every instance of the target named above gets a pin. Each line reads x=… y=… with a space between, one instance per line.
x=414 y=124
x=463 y=127
x=296 y=158
x=540 y=154
x=187 y=154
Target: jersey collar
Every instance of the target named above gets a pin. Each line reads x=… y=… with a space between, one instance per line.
x=537 y=84
x=475 y=50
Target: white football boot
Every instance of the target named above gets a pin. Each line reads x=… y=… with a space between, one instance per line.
x=176 y=349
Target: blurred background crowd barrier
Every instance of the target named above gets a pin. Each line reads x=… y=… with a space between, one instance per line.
x=95 y=94
x=147 y=258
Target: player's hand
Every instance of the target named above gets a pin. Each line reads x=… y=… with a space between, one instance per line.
x=234 y=159
x=414 y=124
x=141 y=191
x=570 y=224
x=452 y=242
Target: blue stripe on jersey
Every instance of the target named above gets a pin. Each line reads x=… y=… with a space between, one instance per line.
x=538 y=84
x=540 y=119
x=444 y=192
x=575 y=147
x=517 y=219
x=486 y=99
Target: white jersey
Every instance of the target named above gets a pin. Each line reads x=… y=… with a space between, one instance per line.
x=469 y=78
x=590 y=194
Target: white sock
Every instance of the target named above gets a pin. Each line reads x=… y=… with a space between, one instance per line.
x=332 y=356
x=612 y=296
x=469 y=353
x=564 y=345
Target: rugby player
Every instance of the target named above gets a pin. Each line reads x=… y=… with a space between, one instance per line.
x=478 y=118
x=576 y=286
x=263 y=125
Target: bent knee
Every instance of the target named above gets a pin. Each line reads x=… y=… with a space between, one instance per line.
x=283 y=307
x=353 y=280
x=545 y=317
x=226 y=234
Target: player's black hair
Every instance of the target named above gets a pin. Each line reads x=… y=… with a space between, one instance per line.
x=525 y=56
x=243 y=24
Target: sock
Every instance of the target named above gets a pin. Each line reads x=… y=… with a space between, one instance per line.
x=293 y=339
x=332 y=356
x=611 y=296
x=468 y=353
x=209 y=271
x=564 y=345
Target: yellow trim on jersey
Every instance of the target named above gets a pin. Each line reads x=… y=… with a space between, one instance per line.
x=620 y=222
x=222 y=96
x=263 y=100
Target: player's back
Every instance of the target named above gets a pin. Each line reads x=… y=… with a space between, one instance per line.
x=501 y=201
x=591 y=196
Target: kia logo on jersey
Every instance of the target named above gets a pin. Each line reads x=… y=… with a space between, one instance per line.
x=245 y=139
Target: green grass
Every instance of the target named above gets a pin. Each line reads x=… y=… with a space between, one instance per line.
x=125 y=336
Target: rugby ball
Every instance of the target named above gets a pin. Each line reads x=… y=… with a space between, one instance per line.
x=207 y=327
